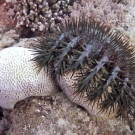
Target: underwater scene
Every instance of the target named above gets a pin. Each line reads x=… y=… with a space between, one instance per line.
x=67 y=67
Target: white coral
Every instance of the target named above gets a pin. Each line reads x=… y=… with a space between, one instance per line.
x=19 y=78
x=101 y=10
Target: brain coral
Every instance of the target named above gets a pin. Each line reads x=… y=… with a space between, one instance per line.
x=19 y=79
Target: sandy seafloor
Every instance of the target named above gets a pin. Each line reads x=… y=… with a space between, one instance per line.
x=57 y=115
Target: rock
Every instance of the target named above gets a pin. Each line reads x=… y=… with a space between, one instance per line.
x=8 y=39
x=57 y=115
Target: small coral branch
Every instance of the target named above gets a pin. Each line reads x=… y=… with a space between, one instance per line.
x=38 y=15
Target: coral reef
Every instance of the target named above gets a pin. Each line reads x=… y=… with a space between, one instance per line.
x=121 y=1
x=4 y=21
x=101 y=10
x=2 y=1
x=38 y=15
x=40 y=117
x=19 y=78
x=102 y=60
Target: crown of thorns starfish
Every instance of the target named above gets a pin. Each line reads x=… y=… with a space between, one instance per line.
x=105 y=61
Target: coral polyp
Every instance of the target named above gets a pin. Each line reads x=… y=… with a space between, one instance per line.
x=104 y=61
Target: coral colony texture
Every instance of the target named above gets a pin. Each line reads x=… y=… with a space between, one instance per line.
x=102 y=61
x=38 y=15
x=103 y=10
x=19 y=78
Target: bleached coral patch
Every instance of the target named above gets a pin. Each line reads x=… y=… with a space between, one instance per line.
x=19 y=78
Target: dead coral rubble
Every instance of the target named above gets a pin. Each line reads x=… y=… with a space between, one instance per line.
x=38 y=14
x=56 y=115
